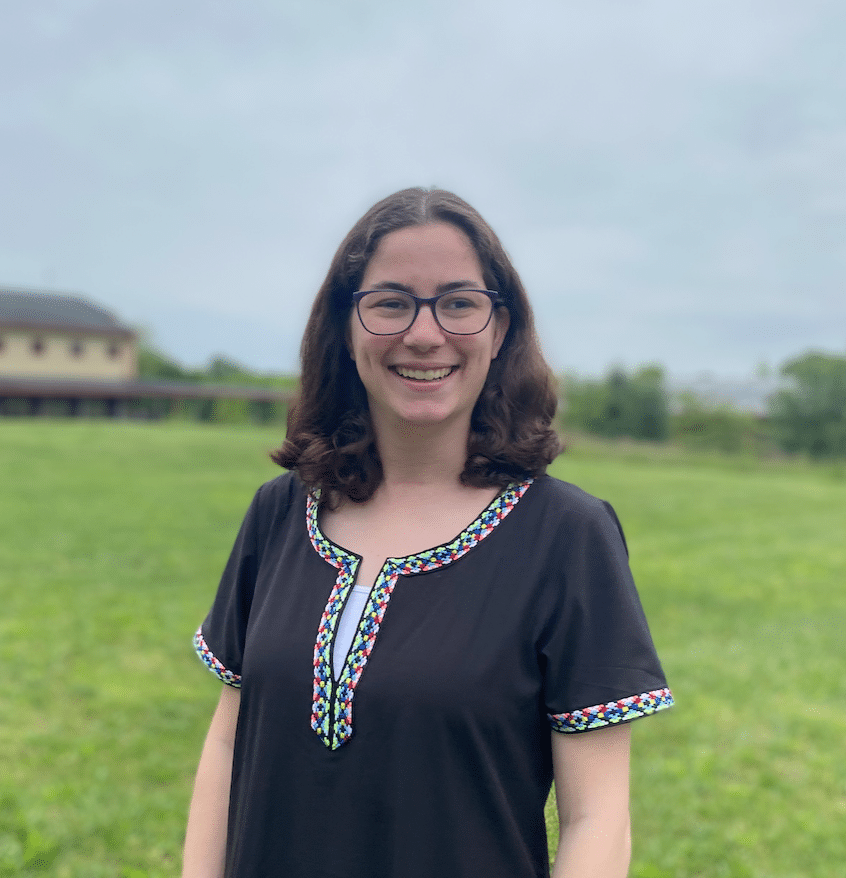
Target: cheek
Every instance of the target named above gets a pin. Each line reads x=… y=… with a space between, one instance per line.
x=367 y=350
x=479 y=356
x=503 y=321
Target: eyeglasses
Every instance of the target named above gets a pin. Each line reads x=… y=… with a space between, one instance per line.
x=458 y=312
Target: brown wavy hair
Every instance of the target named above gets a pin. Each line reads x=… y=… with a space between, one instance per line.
x=330 y=441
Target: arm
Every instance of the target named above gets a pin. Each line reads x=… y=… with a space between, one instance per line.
x=592 y=790
x=205 y=840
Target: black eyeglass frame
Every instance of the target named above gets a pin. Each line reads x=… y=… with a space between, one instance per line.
x=495 y=297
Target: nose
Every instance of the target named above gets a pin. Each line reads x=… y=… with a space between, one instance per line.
x=424 y=332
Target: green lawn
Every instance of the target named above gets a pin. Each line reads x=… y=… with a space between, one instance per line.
x=113 y=538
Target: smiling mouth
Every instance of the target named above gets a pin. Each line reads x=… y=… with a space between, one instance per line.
x=424 y=374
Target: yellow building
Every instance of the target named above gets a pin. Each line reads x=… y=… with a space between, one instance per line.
x=58 y=336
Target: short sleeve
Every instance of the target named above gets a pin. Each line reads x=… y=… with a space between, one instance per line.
x=601 y=667
x=219 y=641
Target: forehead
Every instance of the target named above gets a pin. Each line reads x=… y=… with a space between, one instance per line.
x=434 y=253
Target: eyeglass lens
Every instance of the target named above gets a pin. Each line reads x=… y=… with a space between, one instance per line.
x=463 y=312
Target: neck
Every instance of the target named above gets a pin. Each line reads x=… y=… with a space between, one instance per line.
x=422 y=454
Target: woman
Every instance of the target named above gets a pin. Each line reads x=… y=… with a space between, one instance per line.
x=400 y=698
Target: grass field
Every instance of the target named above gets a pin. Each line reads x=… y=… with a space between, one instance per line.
x=113 y=538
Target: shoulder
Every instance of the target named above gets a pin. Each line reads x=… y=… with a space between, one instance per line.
x=564 y=506
x=565 y=499
x=276 y=505
x=277 y=497
x=287 y=486
x=286 y=489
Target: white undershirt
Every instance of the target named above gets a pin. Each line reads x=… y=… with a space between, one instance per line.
x=347 y=626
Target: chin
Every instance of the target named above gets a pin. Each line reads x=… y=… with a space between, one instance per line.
x=426 y=415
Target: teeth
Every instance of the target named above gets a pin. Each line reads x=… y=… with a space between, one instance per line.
x=423 y=375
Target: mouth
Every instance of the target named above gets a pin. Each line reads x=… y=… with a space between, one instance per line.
x=423 y=374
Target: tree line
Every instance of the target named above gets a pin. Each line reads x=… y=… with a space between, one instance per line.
x=156 y=366
x=806 y=415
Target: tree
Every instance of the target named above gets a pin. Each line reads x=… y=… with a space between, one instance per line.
x=651 y=416
x=620 y=405
x=583 y=403
x=809 y=414
x=155 y=365
x=701 y=425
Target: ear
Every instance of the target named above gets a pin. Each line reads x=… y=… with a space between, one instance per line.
x=502 y=320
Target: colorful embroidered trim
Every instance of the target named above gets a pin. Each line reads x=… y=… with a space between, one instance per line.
x=334 y=727
x=215 y=666
x=613 y=712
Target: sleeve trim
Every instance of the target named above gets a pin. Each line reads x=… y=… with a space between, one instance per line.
x=613 y=712
x=207 y=657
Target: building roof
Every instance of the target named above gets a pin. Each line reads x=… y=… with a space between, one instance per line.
x=26 y=309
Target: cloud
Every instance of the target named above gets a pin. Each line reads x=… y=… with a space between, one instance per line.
x=668 y=173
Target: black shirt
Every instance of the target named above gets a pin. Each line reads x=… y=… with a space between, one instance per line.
x=430 y=757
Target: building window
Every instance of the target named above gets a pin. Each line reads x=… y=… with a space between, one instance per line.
x=37 y=346
x=114 y=351
x=76 y=348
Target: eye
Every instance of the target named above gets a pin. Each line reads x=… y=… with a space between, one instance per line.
x=393 y=304
x=387 y=302
x=462 y=301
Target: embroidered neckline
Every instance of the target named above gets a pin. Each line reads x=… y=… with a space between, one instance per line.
x=332 y=702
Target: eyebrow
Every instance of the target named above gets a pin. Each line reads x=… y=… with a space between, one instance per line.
x=442 y=288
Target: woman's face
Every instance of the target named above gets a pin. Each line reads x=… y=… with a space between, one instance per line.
x=424 y=375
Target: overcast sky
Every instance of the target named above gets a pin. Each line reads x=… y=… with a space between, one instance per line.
x=669 y=177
